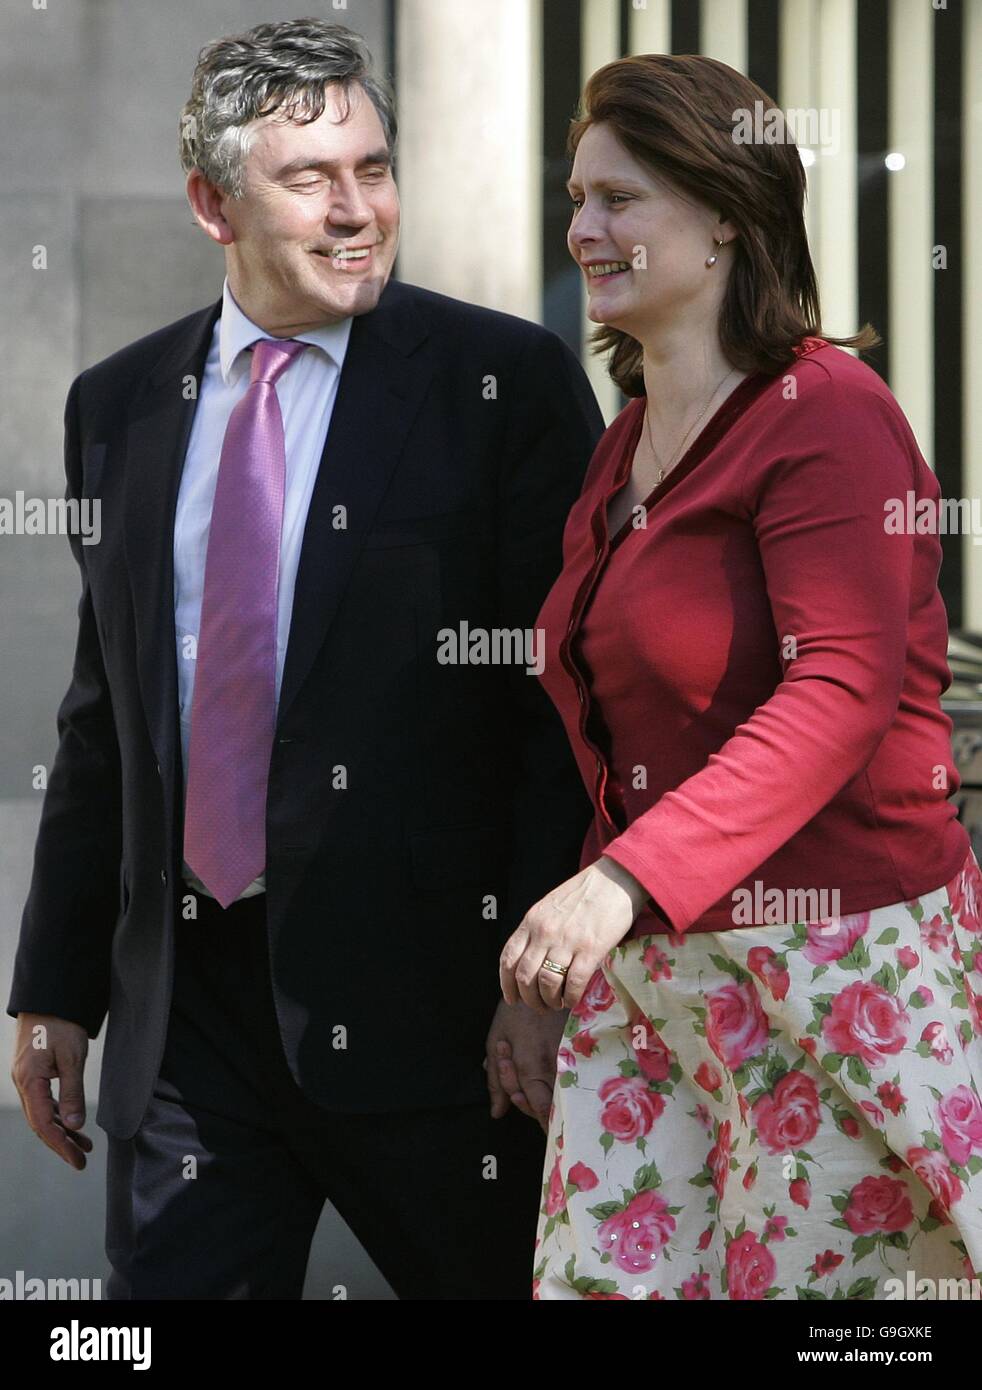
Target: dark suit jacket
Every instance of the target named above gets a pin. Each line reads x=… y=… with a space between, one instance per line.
x=460 y=781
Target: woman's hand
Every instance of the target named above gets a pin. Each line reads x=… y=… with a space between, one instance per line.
x=575 y=925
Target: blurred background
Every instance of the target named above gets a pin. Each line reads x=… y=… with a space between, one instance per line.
x=98 y=247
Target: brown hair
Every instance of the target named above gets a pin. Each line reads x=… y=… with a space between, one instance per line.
x=676 y=115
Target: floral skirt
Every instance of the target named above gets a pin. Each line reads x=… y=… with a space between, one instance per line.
x=774 y=1112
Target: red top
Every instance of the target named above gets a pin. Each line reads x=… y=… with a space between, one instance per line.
x=751 y=681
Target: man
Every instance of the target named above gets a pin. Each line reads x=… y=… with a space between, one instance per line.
x=285 y=835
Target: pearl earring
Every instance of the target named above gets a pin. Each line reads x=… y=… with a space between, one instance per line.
x=711 y=260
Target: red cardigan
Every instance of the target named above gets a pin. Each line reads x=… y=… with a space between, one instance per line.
x=751 y=682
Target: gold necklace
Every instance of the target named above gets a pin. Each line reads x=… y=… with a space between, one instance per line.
x=661 y=470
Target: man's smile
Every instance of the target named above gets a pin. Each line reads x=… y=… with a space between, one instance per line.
x=347 y=259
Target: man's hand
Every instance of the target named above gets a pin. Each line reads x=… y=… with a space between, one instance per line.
x=521 y=1060
x=46 y=1047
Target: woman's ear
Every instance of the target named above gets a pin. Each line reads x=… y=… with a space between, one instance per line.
x=725 y=230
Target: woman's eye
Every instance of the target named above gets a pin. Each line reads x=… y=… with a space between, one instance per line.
x=611 y=198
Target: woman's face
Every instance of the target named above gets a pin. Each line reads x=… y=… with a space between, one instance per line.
x=641 y=242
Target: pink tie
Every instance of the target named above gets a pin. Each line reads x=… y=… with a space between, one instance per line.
x=233 y=708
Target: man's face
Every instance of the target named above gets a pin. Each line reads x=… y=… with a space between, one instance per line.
x=315 y=234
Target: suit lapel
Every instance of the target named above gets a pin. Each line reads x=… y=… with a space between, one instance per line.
x=383 y=382
x=157 y=440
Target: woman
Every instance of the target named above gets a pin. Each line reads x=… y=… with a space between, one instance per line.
x=769 y=1083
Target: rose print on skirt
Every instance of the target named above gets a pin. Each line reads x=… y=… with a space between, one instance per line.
x=773 y=1112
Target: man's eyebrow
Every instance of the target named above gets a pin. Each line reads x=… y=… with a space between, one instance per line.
x=294 y=166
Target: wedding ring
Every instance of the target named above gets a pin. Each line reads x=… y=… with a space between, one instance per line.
x=556 y=969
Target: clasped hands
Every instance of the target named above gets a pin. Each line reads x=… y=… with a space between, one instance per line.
x=576 y=925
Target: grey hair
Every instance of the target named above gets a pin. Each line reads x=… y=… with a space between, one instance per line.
x=269 y=68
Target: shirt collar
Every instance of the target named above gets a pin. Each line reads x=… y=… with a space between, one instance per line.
x=237 y=332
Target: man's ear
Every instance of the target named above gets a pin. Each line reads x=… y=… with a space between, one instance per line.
x=207 y=204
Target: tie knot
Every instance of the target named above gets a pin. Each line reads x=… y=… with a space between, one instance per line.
x=272 y=356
